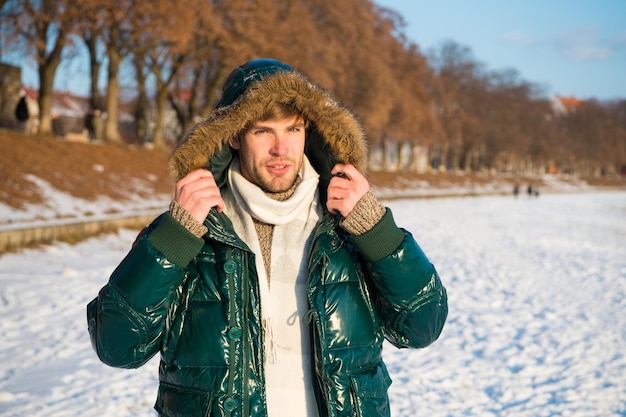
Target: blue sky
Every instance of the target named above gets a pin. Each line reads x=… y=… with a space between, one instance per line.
x=572 y=48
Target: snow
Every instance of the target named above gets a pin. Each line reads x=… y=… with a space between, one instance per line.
x=537 y=294
x=61 y=207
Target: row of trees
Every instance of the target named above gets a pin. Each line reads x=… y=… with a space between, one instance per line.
x=180 y=54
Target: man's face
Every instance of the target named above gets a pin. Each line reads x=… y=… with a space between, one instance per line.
x=271 y=152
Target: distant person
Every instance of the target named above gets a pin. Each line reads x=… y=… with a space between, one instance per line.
x=94 y=124
x=270 y=284
x=516 y=190
x=22 y=114
x=89 y=124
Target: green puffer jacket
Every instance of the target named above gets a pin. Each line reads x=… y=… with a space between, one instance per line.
x=196 y=301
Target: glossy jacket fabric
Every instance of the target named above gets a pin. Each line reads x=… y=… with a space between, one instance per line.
x=196 y=301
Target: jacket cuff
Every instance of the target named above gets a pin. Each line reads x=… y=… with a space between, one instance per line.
x=365 y=215
x=381 y=240
x=174 y=241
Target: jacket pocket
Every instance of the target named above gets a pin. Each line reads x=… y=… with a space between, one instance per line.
x=174 y=401
x=369 y=391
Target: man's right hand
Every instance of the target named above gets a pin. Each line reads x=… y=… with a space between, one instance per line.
x=197 y=192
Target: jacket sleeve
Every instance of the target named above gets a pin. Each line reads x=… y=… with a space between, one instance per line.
x=406 y=288
x=128 y=319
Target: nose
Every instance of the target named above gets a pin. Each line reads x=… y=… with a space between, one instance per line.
x=279 y=147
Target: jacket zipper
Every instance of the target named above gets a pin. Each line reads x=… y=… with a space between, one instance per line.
x=232 y=323
x=245 y=345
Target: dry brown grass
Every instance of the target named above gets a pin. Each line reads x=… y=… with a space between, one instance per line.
x=80 y=169
x=89 y=170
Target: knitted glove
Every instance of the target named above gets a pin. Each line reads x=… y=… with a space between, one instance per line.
x=367 y=212
x=183 y=217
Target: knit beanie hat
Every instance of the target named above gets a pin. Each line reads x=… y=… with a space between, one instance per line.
x=244 y=75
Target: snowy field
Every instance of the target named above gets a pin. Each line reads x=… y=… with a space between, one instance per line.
x=537 y=324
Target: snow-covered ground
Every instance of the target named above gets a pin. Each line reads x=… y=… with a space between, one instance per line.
x=537 y=295
x=60 y=207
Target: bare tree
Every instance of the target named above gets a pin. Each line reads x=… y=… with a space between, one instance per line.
x=214 y=48
x=118 y=27
x=168 y=36
x=476 y=120
x=89 y=29
x=45 y=27
x=596 y=135
x=447 y=61
x=413 y=119
x=142 y=101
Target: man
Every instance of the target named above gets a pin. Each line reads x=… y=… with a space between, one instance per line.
x=22 y=113
x=270 y=284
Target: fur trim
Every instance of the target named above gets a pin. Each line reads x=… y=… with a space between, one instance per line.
x=337 y=126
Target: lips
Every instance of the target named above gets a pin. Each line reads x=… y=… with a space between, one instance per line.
x=278 y=169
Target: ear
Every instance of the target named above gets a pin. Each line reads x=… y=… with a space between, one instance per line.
x=234 y=142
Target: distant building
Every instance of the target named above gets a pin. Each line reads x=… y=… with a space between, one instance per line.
x=565 y=105
x=68 y=116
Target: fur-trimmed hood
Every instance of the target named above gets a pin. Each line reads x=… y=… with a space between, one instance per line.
x=334 y=134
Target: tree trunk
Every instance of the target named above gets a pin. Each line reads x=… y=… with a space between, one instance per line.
x=384 y=155
x=141 y=105
x=94 y=71
x=46 y=84
x=48 y=64
x=161 y=100
x=411 y=163
x=468 y=159
x=212 y=88
x=111 y=129
x=419 y=161
x=443 y=158
x=399 y=156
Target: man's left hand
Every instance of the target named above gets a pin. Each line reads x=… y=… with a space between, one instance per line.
x=345 y=189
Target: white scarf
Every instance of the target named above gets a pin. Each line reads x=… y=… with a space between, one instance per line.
x=289 y=381
x=255 y=202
